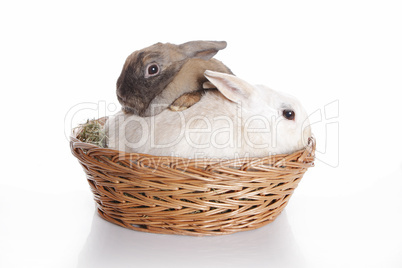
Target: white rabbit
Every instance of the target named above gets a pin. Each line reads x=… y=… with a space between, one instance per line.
x=239 y=120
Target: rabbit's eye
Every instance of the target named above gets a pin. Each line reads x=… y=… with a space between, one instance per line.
x=152 y=69
x=289 y=114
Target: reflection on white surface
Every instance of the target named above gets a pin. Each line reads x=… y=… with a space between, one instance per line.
x=109 y=245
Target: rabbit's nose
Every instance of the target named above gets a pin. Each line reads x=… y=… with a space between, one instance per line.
x=120 y=95
x=306 y=135
x=120 y=98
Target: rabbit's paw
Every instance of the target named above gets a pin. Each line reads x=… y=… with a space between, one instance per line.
x=185 y=101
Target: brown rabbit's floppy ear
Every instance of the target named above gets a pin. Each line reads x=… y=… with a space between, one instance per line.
x=202 y=49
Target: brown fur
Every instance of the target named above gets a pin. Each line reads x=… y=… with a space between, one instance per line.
x=189 y=79
x=185 y=101
x=181 y=71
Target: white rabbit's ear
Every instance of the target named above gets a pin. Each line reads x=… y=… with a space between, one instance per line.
x=232 y=87
x=202 y=49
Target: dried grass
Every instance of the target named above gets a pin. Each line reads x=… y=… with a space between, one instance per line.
x=92 y=132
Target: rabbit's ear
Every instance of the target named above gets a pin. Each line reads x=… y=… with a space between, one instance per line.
x=202 y=49
x=232 y=87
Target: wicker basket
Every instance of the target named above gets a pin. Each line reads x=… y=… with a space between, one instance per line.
x=191 y=197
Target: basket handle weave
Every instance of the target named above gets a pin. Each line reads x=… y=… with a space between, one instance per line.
x=309 y=151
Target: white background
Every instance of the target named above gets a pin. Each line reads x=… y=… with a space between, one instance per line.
x=342 y=59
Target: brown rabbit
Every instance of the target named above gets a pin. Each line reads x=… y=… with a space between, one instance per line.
x=167 y=75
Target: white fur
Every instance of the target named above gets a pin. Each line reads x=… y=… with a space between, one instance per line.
x=239 y=120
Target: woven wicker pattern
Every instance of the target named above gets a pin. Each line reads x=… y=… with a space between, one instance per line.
x=192 y=197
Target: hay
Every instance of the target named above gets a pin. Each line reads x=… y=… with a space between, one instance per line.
x=92 y=132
